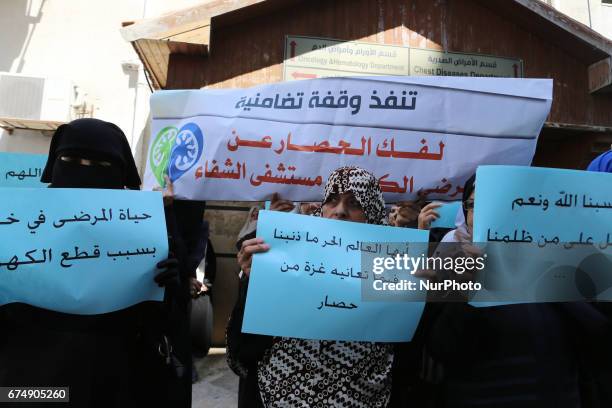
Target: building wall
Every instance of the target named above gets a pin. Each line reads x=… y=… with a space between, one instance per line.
x=606 y=18
x=80 y=41
x=251 y=52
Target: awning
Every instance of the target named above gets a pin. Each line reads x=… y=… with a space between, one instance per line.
x=11 y=124
x=187 y=31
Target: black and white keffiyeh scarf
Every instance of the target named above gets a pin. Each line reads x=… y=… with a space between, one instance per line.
x=311 y=373
x=364 y=186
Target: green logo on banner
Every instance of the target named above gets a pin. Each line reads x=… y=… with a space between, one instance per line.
x=160 y=153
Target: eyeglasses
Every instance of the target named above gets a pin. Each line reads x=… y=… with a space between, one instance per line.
x=468 y=205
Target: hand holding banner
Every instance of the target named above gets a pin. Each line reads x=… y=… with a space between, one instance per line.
x=448 y=215
x=309 y=284
x=414 y=133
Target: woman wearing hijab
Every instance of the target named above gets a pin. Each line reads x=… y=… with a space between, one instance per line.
x=512 y=356
x=281 y=372
x=463 y=232
x=103 y=359
x=597 y=365
x=249 y=227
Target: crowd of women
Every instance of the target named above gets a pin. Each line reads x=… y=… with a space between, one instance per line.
x=531 y=355
x=512 y=356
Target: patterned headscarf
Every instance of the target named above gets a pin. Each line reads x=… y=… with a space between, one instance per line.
x=364 y=187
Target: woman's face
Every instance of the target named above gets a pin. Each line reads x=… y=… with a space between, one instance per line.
x=343 y=207
x=469 y=207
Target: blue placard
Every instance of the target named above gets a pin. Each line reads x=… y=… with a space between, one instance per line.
x=80 y=251
x=309 y=284
x=550 y=218
x=21 y=169
x=448 y=215
x=531 y=204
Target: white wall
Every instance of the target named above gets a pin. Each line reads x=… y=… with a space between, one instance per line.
x=20 y=141
x=577 y=9
x=591 y=13
x=79 y=40
x=606 y=20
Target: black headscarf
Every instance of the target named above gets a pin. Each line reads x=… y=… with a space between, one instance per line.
x=468 y=189
x=190 y=219
x=92 y=139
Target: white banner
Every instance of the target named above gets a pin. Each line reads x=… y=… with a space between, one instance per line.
x=413 y=133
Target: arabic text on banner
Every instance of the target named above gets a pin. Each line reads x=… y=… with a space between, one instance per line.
x=550 y=230
x=21 y=169
x=413 y=133
x=309 y=284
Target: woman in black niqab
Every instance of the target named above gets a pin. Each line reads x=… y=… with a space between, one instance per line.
x=90 y=153
x=106 y=360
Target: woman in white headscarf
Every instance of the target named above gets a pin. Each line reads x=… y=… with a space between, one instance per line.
x=250 y=226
